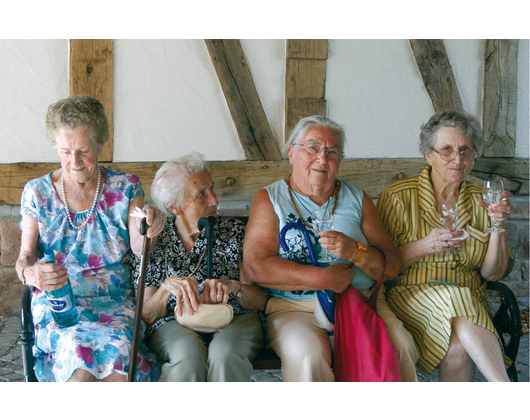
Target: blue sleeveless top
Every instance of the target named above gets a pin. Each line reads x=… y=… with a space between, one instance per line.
x=347 y=219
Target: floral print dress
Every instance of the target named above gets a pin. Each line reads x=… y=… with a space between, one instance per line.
x=97 y=258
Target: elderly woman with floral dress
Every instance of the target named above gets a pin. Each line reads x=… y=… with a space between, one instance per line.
x=79 y=213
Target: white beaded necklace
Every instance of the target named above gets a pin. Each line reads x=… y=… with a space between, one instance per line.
x=89 y=214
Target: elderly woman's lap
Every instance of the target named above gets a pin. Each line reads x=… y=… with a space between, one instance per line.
x=302 y=346
x=227 y=357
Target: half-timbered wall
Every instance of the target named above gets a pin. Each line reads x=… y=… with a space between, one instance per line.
x=235 y=101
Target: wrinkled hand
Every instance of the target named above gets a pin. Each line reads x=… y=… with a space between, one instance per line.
x=339 y=277
x=439 y=240
x=46 y=276
x=338 y=244
x=218 y=290
x=186 y=291
x=155 y=218
x=501 y=211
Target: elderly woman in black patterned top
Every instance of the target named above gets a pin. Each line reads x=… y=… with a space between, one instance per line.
x=176 y=278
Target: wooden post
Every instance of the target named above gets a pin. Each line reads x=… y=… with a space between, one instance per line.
x=500 y=97
x=91 y=73
x=305 y=80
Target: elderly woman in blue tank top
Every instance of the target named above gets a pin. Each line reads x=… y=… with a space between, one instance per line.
x=315 y=150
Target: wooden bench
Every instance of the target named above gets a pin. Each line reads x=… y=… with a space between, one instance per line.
x=507 y=321
x=267 y=359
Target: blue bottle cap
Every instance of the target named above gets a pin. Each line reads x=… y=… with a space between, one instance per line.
x=49 y=255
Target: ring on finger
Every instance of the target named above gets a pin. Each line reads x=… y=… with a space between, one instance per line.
x=220 y=292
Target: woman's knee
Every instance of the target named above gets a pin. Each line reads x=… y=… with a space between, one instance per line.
x=456 y=355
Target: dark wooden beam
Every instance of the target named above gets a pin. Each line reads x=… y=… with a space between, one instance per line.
x=243 y=100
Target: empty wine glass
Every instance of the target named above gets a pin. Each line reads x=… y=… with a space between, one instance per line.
x=449 y=216
x=323 y=221
x=491 y=192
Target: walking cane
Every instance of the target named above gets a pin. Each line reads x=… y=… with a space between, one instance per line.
x=326 y=297
x=139 y=303
x=208 y=224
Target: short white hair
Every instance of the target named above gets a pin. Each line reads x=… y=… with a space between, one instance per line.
x=307 y=123
x=169 y=185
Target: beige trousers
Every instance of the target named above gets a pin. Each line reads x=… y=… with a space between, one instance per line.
x=303 y=347
x=401 y=339
x=225 y=356
x=305 y=350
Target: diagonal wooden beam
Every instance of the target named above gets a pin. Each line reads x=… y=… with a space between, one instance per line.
x=437 y=74
x=245 y=106
x=92 y=73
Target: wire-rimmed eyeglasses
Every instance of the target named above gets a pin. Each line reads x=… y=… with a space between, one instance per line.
x=315 y=148
x=448 y=153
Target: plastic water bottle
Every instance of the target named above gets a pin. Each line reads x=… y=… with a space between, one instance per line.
x=61 y=301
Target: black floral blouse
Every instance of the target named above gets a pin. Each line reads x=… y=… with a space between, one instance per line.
x=170 y=258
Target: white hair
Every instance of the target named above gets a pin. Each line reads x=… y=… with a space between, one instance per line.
x=169 y=185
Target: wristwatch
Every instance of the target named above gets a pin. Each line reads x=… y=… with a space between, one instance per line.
x=363 y=248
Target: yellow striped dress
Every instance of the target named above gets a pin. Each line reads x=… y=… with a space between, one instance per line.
x=437 y=287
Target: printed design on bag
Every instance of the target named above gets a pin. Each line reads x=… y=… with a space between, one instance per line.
x=297 y=246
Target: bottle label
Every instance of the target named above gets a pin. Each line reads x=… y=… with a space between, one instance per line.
x=61 y=304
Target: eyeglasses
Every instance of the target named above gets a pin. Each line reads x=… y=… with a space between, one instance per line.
x=315 y=148
x=447 y=153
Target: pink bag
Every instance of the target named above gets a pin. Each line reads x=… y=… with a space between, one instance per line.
x=363 y=351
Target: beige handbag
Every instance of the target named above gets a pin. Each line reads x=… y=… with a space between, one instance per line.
x=209 y=318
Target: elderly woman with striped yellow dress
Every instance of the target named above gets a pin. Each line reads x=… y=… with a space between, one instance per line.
x=439 y=294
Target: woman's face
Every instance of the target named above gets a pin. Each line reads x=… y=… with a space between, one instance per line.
x=457 y=167
x=316 y=169
x=78 y=154
x=199 y=198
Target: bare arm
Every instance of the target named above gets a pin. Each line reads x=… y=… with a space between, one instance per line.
x=155 y=221
x=263 y=266
x=43 y=276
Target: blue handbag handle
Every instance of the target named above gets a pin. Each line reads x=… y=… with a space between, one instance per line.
x=323 y=295
x=304 y=231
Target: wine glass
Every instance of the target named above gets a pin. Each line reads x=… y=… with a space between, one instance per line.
x=449 y=216
x=323 y=221
x=491 y=193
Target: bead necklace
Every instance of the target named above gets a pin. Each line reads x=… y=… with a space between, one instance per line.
x=334 y=194
x=89 y=214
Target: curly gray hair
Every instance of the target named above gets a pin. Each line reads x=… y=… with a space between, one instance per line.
x=169 y=185
x=78 y=112
x=467 y=124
